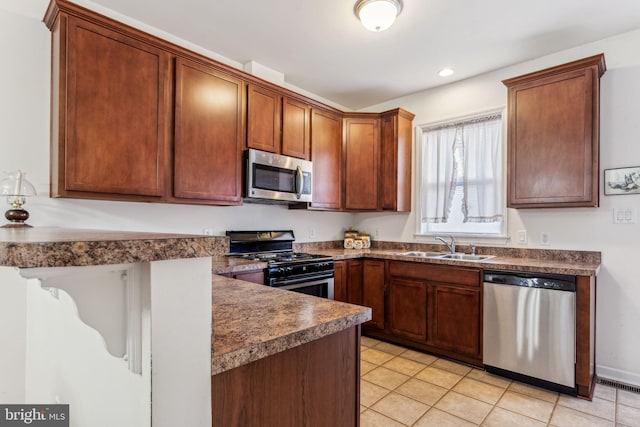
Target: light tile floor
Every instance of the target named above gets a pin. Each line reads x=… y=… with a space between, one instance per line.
x=401 y=387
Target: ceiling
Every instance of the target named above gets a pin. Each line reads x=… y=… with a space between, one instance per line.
x=321 y=47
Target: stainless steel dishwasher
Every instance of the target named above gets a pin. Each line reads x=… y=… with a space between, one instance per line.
x=529 y=328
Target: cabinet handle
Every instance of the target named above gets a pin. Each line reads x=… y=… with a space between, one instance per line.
x=299 y=182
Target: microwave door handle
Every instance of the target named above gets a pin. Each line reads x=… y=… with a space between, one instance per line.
x=299 y=182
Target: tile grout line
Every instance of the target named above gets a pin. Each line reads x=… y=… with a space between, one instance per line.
x=553 y=411
x=493 y=407
x=556 y=401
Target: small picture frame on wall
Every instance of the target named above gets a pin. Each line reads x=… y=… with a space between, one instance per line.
x=622 y=181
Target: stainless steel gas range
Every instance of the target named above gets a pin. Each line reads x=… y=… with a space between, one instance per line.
x=300 y=272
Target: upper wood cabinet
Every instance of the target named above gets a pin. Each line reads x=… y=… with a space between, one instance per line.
x=326 y=155
x=361 y=160
x=209 y=137
x=135 y=117
x=296 y=128
x=264 y=117
x=553 y=136
x=395 y=161
x=277 y=123
x=110 y=113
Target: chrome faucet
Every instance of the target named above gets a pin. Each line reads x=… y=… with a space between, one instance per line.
x=451 y=246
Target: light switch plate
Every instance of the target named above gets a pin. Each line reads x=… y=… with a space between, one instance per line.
x=624 y=216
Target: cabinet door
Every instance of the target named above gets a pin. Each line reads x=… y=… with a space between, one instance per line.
x=396 y=160
x=116 y=108
x=408 y=308
x=208 y=134
x=554 y=136
x=296 y=126
x=373 y=291
x=264 y=116
x=340 y=281
x=326 y=155
x=354 y=282
x=361 y=163
x=455 y=319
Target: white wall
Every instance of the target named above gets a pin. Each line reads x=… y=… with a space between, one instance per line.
x=24 y=120
x=618 y=317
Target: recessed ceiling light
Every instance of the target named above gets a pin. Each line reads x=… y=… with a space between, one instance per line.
x=445 y=72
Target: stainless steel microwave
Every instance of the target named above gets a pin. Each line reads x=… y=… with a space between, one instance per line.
x=274 y=178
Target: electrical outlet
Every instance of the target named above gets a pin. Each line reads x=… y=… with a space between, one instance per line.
x=376 y=233
x=312 y=232
x=545 y=238
x=207 y=231
x=522 y=237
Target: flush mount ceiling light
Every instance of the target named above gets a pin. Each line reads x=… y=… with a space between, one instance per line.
x=377 y=15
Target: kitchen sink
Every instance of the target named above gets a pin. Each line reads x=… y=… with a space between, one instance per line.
x=466 y=257
x=441 y=255
x=422 y=254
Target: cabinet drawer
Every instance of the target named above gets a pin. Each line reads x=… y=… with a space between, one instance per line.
x=436 y=273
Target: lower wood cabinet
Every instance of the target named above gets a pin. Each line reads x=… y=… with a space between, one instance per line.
x=314 y=384
x=362 y=282
x=435 y=308
x=454 y=320
x=373 y=290
x=340 y=281
x=347 y=281
x=407 y=303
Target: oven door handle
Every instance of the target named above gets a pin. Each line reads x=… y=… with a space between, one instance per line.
x=286 y=282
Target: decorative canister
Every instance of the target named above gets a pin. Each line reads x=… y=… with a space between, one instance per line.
x=348 y=242
x=349 y=238
x=366 y=240
x=357 y=243
x=351 y=233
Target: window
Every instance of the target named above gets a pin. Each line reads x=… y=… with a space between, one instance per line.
x=461 y=183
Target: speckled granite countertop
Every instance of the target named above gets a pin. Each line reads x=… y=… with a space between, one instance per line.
x=252 y=321
x=500 y=262
x=553 y=261
x=59 y=247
